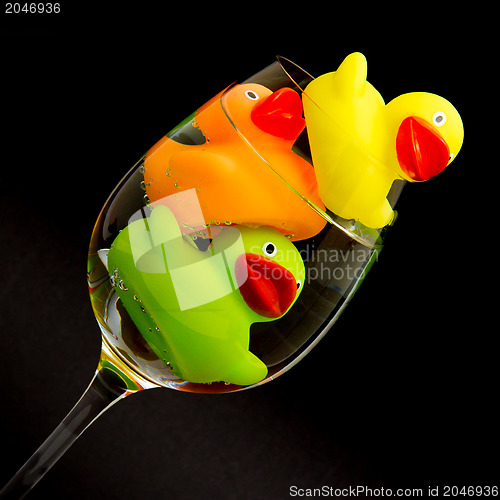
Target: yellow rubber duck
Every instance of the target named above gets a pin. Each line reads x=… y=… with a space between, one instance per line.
x=360 y=145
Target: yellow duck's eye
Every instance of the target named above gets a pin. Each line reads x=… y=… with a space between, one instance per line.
x=439 y=119
x=250 y=94
x=299 y=283
x=269 y=249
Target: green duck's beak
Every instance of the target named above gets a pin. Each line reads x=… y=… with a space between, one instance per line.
x=268 y=288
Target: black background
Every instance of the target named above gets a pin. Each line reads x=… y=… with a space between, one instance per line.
x=402 y=392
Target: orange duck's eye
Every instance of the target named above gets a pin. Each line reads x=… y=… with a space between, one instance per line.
x=253 y=96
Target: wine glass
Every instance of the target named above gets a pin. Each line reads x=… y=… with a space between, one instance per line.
x=214 y=266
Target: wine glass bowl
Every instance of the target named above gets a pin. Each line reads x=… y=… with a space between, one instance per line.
x=240 y=163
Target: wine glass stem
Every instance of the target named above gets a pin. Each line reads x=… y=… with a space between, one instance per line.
x=100 y=395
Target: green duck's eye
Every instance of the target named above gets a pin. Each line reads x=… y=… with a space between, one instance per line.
x=269 y=249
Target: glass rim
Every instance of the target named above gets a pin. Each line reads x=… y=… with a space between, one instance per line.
x=281 y=58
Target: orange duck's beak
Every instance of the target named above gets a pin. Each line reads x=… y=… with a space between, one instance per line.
x=280 y=114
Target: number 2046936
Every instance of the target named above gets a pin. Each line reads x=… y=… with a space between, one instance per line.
x=32 y=8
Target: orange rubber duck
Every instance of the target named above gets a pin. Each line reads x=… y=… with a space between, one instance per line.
x=236 y=151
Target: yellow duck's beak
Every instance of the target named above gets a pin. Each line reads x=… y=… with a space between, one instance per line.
x=421 y=150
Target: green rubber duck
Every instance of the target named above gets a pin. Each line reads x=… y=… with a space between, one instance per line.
x=195 y=307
